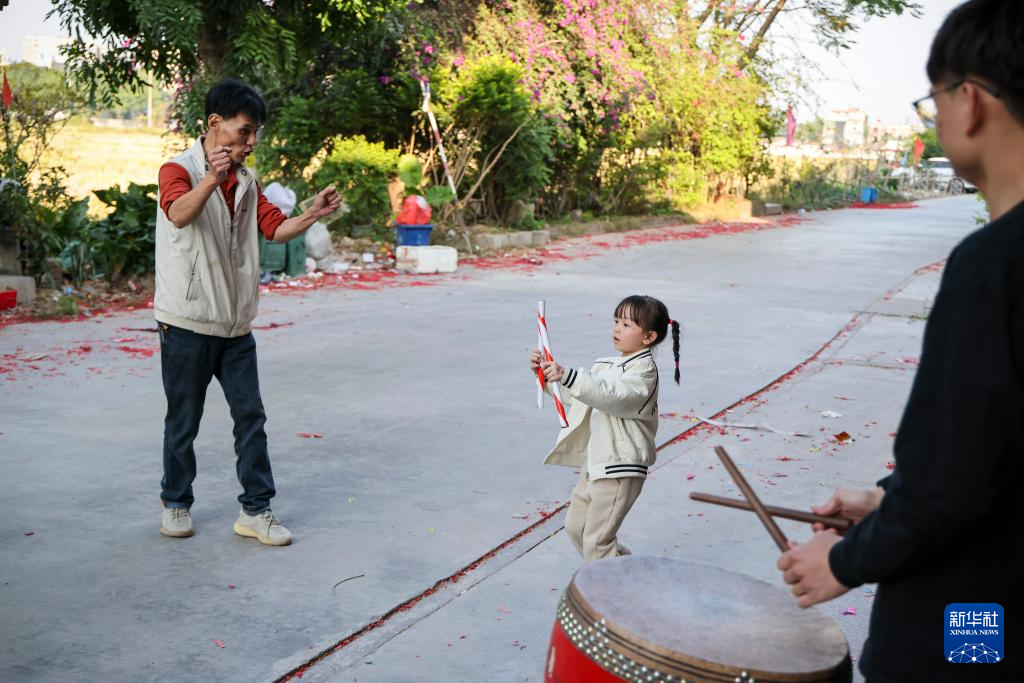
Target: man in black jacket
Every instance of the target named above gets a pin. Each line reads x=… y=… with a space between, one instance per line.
x=947 y=526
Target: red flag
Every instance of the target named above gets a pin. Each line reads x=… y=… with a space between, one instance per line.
x=918 y=150
x=8 y=96
x=790 y=127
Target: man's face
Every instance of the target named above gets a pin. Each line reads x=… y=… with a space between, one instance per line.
x=239 y=133
x=956 y=127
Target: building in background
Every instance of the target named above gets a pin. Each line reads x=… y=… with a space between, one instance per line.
x=890 y=140
x=43 y=50
x=845 y=129
x=847 y=134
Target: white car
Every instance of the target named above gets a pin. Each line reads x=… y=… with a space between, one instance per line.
x=943 y=177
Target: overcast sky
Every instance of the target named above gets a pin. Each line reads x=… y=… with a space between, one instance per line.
x=24 y=17
x=882 y=73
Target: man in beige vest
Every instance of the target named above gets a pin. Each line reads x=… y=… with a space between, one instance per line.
x=210 y=215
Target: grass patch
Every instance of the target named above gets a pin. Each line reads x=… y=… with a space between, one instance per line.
x=97 y=158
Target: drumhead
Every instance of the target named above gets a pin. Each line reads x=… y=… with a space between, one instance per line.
x=706 y=618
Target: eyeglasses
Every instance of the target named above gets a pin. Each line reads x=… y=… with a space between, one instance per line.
x=926 y=109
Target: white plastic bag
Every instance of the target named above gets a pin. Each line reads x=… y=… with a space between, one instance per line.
x=280 y=196
x=318 y=242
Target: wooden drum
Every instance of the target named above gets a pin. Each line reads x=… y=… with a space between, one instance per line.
x=641 y=618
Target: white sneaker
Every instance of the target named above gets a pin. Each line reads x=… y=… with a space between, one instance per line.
x=176 y=522
x=264 y=527
x=624 y=550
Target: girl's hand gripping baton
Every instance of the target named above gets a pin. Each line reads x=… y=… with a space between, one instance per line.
x=542 y=330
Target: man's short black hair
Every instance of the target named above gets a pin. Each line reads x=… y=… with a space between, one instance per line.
x=983 y=39
x=231 y=97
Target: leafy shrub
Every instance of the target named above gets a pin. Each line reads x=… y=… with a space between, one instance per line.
x=123 y=242
x=32 y=195
x=68 y=230
x=810 y=187
x=438 y=195
x=118 y=245
x=491 y=103
x=303 y=123
x=360 y=171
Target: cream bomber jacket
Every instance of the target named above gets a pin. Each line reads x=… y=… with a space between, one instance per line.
x=613 y=417
x=207 y=273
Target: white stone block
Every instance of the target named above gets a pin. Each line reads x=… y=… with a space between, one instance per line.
x=25 y=286
x=521 y=238
x=493 y=240
x=423 y=260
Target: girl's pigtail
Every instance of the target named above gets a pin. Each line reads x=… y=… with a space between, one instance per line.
x=675 y=345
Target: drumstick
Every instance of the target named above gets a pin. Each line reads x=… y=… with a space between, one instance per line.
x=840 y=524
x=748 y=493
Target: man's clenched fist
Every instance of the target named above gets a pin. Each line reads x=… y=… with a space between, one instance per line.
x=219 y=161
x=326 y=203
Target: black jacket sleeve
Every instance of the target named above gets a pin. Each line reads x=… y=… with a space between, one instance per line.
x=958 y=445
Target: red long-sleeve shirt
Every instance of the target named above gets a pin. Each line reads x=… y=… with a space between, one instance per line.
x=175 y=182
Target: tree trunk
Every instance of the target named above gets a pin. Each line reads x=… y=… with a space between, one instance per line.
x=212 y=49
x=703 y=16
x=759 y=38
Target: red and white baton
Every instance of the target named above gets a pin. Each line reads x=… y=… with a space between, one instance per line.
x=542 y=331
x=540 y=373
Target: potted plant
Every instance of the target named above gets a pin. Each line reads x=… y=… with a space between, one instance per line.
x=413 y=221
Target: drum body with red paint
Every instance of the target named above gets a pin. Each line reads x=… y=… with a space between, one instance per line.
x=655 y=619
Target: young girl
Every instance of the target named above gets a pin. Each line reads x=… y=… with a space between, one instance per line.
x=613 y=416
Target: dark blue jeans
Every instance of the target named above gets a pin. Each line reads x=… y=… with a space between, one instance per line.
x=189 y=361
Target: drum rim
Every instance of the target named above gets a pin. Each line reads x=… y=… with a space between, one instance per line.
x=642 y=652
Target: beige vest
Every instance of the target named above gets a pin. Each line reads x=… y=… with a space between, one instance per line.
x=207 y=273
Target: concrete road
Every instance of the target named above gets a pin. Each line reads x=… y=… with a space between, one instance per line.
x=431 y=453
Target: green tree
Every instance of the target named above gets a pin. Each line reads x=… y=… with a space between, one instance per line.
x=492 y=107
x=265 y=41
x=319 y=65
x=834 y=21
x=810 y=131
x=932 y=148
x=43 y=102
x=31 y=195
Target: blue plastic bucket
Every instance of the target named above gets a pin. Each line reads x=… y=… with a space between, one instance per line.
x=868 y=195
x=413 y=235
